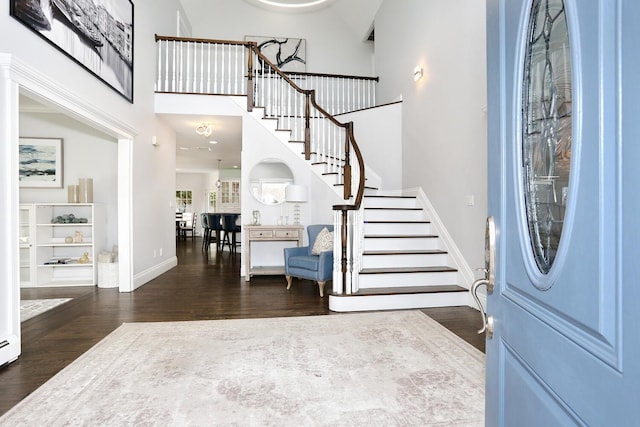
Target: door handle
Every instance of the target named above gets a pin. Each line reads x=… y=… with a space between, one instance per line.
x=487 y=321
x=489 y=275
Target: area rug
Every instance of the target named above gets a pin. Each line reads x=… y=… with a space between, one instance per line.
x=368 y=369
x=33 y=307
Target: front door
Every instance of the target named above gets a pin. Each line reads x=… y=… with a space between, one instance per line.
x=564 y=179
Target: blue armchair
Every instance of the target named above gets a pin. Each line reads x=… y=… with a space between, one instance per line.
x=301 y=262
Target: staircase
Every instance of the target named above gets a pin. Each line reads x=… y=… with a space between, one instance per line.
x=389 y=253
x=404 y=262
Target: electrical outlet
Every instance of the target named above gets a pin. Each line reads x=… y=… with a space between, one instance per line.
x=471 y=200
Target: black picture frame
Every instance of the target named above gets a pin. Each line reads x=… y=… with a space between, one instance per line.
x=96 y=34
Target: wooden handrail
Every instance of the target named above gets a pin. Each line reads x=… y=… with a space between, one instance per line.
x=196 y=40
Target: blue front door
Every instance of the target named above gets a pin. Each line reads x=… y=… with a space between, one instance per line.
x=564 y=191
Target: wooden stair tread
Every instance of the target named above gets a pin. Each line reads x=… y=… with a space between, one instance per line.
x=401 y=236
x=382 y=196
x=434 y=269
x=394 y=209
x=407 y=290
x=407 y=252
x=399 y=222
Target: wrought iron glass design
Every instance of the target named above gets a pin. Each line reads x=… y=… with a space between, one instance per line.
x=547 y=127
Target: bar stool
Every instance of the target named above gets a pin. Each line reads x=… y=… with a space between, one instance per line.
x=206 y=235
x=229 y=226
x=215 y=225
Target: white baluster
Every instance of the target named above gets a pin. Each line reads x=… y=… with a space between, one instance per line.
x=208 y=68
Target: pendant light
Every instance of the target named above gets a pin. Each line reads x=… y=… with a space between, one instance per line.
x=218 y=182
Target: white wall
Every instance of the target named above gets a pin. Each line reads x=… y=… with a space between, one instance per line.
x=378 y=132
x=332 y=45
x=152 y=187
x=444 y=124
x=87 y=153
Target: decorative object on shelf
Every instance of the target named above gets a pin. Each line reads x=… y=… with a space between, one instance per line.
x=101 y=42
x=68 y=239
x=84 y=259
x=40 y=162
x=79 y=237
x=296 y=194
x=255 y=217
x=72 y=191
x=286 y=53
x=68 y=219
x=85 y=190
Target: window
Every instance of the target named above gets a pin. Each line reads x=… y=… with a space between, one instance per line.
x=184 y=201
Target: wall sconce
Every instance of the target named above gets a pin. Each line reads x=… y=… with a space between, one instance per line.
x=417 y=73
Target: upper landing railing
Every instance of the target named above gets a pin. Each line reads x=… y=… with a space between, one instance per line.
x=304 y=103
x=220 y=67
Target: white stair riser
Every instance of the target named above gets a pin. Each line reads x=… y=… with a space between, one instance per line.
x=404 y=260
x=394 y=229
x=389 y=202
x=400 y=244
x=390 y=280
x=393 y=215
x=397 y=302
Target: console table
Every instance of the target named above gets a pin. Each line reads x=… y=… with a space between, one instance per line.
x=268 y=233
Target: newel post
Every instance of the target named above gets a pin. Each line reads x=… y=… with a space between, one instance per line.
x=250 y=88
x=347 y=161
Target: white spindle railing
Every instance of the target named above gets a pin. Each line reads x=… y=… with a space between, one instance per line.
x=220 y=67
x=201 y=66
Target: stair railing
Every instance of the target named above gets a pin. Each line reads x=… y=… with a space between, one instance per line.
x=224 y=67
x=326 y=141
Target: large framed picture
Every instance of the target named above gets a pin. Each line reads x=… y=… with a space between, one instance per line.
x=97 y=34
x=286 y=53
x=40 y=162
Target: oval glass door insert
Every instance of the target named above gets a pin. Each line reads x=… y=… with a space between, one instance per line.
x=546 y=128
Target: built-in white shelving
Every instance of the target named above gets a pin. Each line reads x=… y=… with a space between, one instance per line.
x=64 y=241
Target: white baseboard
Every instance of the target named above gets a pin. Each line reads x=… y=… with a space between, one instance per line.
x=153 y=272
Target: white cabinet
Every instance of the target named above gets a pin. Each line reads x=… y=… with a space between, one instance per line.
x=229 y=196
x=27 y=250
x=66 y=239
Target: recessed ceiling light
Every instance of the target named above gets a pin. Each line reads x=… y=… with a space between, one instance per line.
x=183 y=148
x=213 y=142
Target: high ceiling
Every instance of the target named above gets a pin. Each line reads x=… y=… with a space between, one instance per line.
x=195 y=153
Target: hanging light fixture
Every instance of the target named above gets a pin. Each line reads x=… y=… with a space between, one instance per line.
x=218 y=182
x=205 y=129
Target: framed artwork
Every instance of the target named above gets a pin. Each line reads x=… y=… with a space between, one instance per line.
x=97 y=34
x=287 y=53
x=40 y=162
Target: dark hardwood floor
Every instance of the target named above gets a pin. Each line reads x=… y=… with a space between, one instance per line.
x=203 y=286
